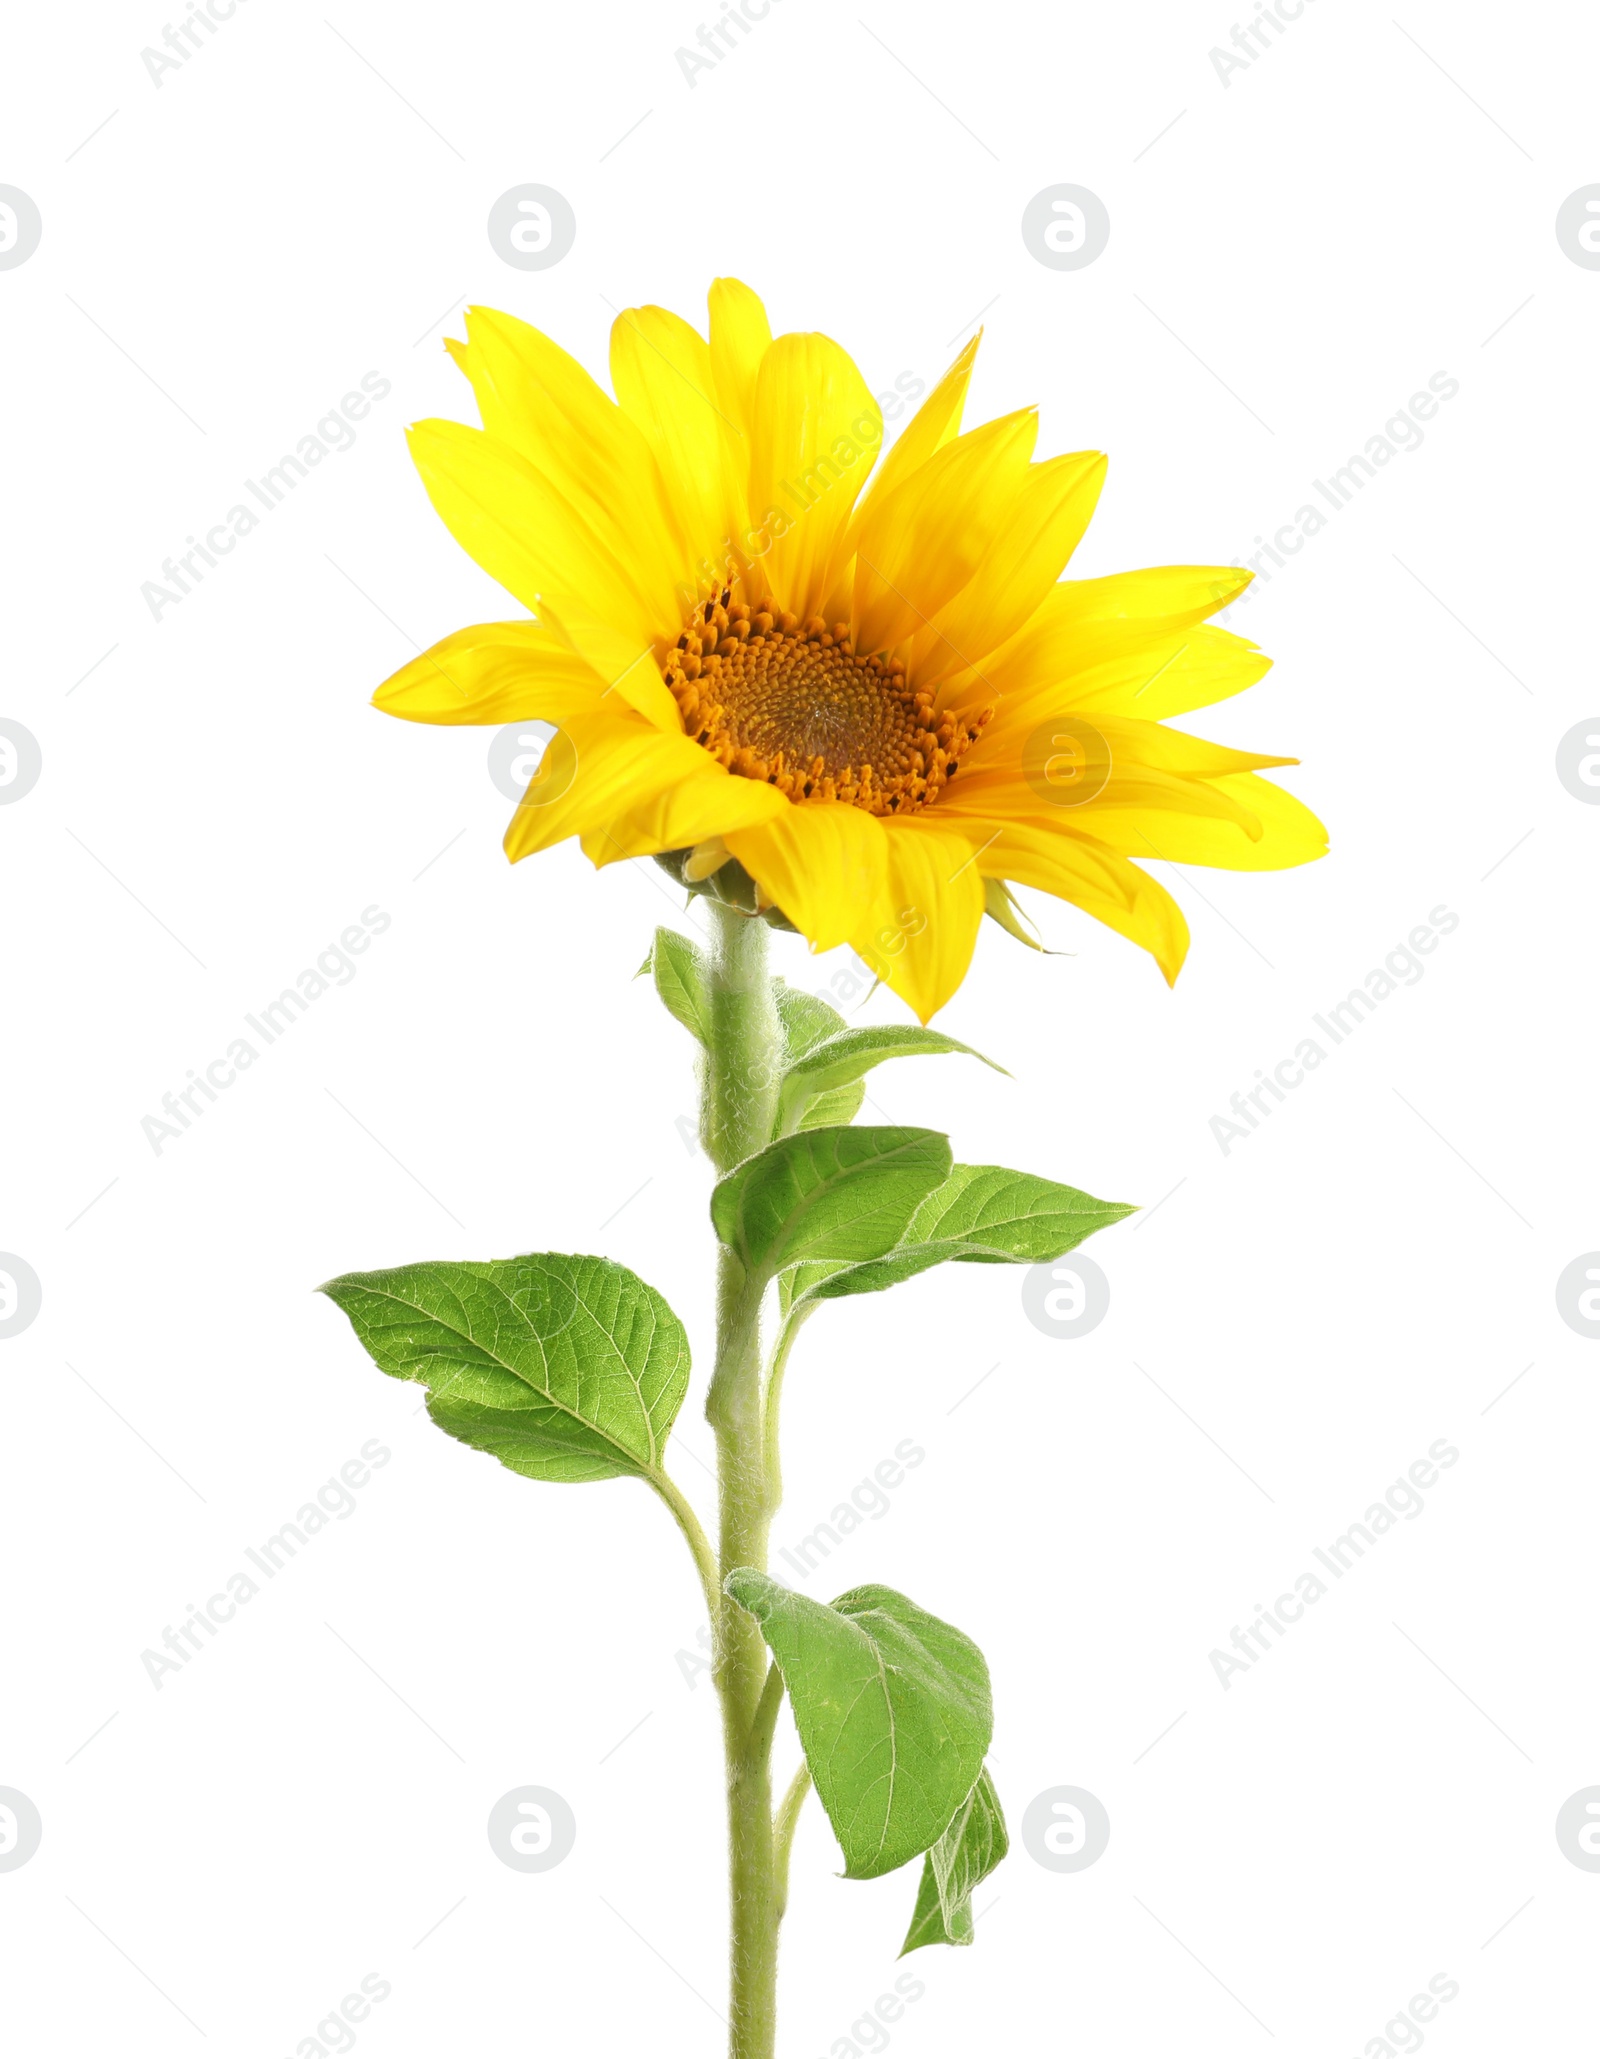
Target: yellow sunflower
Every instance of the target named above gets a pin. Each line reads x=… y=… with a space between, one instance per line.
x=863 y=708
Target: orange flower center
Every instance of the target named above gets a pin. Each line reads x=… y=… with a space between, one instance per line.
x=794 y=703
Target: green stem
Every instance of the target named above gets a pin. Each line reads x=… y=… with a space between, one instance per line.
x=738 y=1108
x=772 y=1405
x=783 y=1831
x=705 y=1559
x=766 y=1716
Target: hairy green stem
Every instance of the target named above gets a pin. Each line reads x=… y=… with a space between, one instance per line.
x=772 y=1403
x=705 y=1559
x=738 y=1107
x=783 y=1831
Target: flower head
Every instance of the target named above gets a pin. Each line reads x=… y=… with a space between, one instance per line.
x=872 y=704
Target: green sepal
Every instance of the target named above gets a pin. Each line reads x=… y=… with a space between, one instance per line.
x=972 y=1847
x=730 y=884
x=893 y=1710
x=563 y=1368
x=1002 y=906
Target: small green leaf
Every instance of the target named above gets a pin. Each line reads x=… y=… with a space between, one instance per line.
x=981 y=1215
x=563 y=1368
x=680 y=975
x=893 y=1710
x=806 y=1019
x=968 y=1853
x=840 y=1194
x=848 y=1055
x=838 y=1105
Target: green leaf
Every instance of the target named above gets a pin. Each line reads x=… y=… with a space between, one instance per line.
x=839 y=1105
x=848 y=1055
x=563 y=1368
x=807 y=1019
x=679 y=968
x=893 y=1710
x=981 y=1215
x=968 y=1853
x=839 y=1194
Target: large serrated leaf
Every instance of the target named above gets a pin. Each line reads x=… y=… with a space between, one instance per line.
x=839 y=1194
x=893 y=1710
x=980 y=1215
x=563 y=1368
x=679 y=969
x=848 y=1055
x=971 y=1848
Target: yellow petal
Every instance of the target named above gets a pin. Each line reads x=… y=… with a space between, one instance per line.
x=936 y=423
x=1069 y=777
x=615 y=652
x=1157 y=744
x=740 y=335
x=919 y=545
x=661 y=369
x=821 y=862
x=494 y=672
x=1094 y=878
x=520 y=529
x=1041 y=530
x=1283 y=831
x=644 y=689
x=1174 y=676
x=1080 y=622
x=705 y=859
x=629 y=790
x=816 y=434
x=1019 y=737
x=542 y=402
x=918 y=938
x=1173 y=595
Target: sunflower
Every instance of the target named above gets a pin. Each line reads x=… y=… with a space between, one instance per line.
x=867 y=710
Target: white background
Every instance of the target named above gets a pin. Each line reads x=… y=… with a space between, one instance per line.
x=1370 y=202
